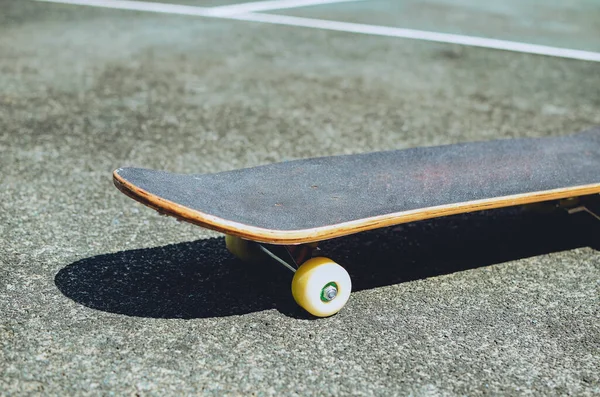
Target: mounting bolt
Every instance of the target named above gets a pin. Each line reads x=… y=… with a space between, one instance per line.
x=329 y=292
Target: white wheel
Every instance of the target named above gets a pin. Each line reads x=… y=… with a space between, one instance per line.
x=321 y=287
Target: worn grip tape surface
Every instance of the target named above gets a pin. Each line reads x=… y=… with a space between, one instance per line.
x=314 y=199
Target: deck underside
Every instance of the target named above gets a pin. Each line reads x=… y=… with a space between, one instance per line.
x=315 y=199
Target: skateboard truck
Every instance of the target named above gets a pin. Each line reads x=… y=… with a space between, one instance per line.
x=573 y=206
x=319 y=285
x=583 y=208
x=278 y=259
x=329 y=291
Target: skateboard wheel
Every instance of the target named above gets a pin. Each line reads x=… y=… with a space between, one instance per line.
x=321 y=287
x=242 y=249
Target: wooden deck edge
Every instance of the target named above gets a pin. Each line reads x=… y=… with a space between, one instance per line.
x=332 y=231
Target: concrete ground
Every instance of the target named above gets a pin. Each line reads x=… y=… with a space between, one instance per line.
x=100 y=295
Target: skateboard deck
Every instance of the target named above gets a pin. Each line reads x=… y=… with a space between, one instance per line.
x=309 y=200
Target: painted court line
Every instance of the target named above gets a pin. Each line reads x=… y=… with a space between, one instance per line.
x=339 y=26
x=420 y=35
x=162 y=8
x=244 y=8
x=216 y=12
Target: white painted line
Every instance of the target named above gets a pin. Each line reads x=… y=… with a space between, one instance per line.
x=420 y=35
x=223 y=11
x=270 y=5
x=343 y=27
x=162 y=8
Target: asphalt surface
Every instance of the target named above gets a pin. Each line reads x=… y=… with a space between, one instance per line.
x=100 y=295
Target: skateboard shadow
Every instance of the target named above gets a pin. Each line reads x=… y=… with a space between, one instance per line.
x=201 y=279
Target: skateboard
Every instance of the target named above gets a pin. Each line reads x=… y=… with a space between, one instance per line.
x=282 y=210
